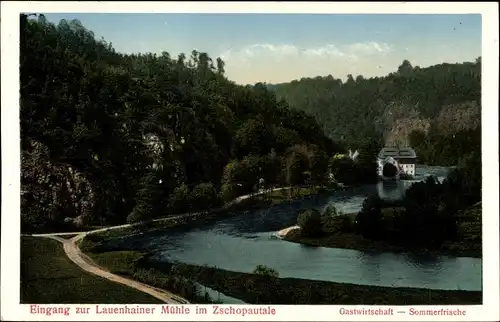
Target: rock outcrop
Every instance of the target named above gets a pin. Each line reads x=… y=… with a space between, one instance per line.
x=52 y=193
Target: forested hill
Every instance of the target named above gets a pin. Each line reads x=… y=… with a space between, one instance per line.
x=110 y=136
x=439 y=104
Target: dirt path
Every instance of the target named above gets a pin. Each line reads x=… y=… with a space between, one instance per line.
x=76 y=256
x=84 y=262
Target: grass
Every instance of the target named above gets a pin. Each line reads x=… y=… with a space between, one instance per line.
x=131 y=264
x=339 y=233
x=258 y=289
x=49 y=277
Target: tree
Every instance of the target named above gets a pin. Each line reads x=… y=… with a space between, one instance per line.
x=405 y=67
x=265 y=271
x=369 y=221
x=203 y=197
x=147 y=200
x=422 y=223
x=391 y=107
x=309 y=222
x=178 y=201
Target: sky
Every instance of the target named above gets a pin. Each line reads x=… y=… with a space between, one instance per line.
x=275 y=48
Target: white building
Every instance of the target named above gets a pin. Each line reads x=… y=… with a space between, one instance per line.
x=404 y=159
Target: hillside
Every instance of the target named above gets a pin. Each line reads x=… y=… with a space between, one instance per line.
x=441 y=101
x=111 y=138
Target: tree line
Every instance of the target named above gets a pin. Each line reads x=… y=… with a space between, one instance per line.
x=434 y=109
x=110 y=137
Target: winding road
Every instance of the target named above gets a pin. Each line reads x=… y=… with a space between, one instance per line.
x=84 y=262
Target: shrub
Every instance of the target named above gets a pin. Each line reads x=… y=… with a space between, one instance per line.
x=228 y=192
x=203 y=197
x=178 y=201
x=265 y=271
x=148 y=199
x=330 y=211
x=310 y=223
x=369 y=221
x=429 y=216
x=344 y=224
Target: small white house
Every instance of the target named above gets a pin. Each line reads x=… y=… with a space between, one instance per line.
x=404 y=159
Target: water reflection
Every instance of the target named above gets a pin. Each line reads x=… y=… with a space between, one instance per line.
x=393 y=190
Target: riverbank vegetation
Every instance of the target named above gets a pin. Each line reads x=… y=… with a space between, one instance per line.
x=48 y=277
x=109 y=138
x=433 y=217
x=265 y=289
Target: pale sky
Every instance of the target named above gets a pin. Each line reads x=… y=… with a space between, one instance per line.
x=276 y=48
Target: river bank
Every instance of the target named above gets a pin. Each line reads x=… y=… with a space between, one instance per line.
x=337 y=235
x=259 y=289
x=247 y=203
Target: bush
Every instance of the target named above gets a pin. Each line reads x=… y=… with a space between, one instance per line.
x=265 y=271
x=330 y=211
x=203 y=197
x=178 y=201
x=369 y=221
x=229 y=192
x=428 y=217
x=148 y=199
x=344 y=224
x=310 y=223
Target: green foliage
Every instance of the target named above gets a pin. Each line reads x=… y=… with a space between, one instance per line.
x=426 y=220
x=114 y=118
x=178 y=201
x=297 y=164
x=431 y=211
x=310 y=223
x=369 y=221
x=441 y=101
x=265 y=271
x=148 y=201
x=204 y=196
x=363 y=170
x=335 y=221
x=330 y=211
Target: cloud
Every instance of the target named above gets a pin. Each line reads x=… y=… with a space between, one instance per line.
x=349 y=51
x=369 y=48
x=260 y=50
x=328 y=50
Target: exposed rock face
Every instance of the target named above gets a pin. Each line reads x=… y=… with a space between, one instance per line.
x=458 y=117
x=401 y=129
x=52 y=192
x=400 y=120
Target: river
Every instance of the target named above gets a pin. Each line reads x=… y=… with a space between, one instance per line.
x=247 y=239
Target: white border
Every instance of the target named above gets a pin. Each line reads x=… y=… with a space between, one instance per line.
x=10 y=307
